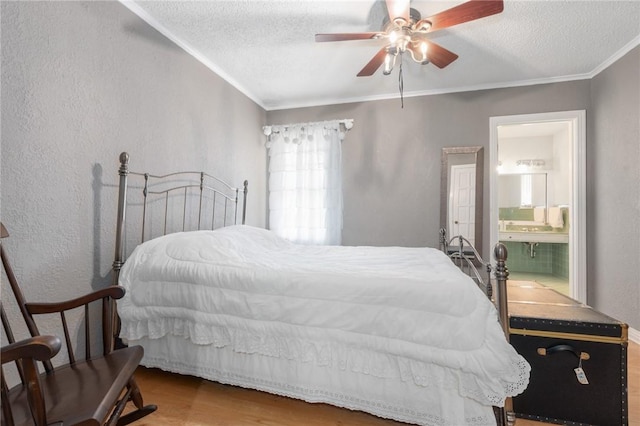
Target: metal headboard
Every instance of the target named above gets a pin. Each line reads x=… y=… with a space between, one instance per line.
x=178 y=187
x=203 y=188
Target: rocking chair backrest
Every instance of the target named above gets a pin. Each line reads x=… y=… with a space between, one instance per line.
x=15 y=289
x=28 y=310
x=93 y=390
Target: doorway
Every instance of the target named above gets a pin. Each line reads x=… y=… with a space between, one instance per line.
x=538 y=191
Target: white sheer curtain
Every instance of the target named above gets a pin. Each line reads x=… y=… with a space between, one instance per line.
x=305 y=181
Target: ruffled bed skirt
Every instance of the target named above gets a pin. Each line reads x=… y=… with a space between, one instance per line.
x=393 y=398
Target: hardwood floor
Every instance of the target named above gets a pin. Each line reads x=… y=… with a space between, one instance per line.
x=190 y=401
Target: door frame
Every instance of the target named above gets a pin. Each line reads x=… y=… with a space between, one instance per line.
x=578 y=204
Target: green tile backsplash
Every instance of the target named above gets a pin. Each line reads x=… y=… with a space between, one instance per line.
x=550 y=258
x=515 y=213
x=560 y=262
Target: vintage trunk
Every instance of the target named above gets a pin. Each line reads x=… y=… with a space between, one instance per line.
x=558 y=335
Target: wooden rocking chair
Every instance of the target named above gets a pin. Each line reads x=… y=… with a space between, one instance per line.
x=90 y=391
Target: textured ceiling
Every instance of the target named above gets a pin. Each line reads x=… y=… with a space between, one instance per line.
x=266 y=48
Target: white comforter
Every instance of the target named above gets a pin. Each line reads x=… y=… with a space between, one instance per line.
x=402 y=313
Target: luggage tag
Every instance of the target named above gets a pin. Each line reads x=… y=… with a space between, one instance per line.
x=580 y=374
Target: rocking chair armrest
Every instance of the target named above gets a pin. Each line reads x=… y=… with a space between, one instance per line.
x=114 y=292
x=40 y=348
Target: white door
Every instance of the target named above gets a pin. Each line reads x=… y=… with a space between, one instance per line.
x=462 y=202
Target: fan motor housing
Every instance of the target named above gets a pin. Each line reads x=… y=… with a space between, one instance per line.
x=414 y=16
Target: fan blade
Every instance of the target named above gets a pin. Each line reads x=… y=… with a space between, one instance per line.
x=439 y=56
x=373 y=64
x=398 y=9
x=345 y=36
x=465 y=12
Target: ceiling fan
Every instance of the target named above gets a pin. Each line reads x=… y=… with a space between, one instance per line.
x=405 y=30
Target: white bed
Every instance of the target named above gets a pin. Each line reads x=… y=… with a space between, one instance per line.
x=400 y=333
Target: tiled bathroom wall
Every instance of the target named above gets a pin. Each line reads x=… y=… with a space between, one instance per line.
x=550 y=258
x=560 y=260
x=515 y=213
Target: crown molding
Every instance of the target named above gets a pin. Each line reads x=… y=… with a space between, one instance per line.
x=142 y=14
x=413 y=94
x=613 y=58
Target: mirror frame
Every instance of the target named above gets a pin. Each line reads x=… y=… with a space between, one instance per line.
x=444 y=188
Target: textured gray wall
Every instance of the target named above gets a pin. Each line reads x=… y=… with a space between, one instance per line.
x=391 y=157
x=81 y=82
x=613 y=190
x=391 y=166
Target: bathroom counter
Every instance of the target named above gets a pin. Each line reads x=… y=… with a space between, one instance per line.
x=534 y=237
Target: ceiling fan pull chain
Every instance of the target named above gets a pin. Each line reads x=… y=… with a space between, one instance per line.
x=401 y=85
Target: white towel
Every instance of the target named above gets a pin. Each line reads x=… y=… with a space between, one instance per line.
x=555 y=217
x=538 y=214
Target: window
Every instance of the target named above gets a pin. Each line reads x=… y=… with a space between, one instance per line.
x=305 y=181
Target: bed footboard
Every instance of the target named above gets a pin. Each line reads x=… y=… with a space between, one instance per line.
x=465 y=255
x=468 y=259
x=506 y=416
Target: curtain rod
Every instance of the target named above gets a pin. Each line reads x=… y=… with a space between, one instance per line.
x=276 y=128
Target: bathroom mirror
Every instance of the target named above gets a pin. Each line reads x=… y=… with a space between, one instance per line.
x=523 y=190
x=461 y=193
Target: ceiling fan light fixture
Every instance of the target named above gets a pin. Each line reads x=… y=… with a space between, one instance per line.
x=404 y=29
x=424 y=47
x=389 y=61
x=401 y=23
x=419 y=51
x=422 y=26
x=393 y=36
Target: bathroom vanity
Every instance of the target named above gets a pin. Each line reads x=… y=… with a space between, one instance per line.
x=535 y=237
x=537 y=249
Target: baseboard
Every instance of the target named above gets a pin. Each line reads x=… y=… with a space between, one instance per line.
x=634 y=335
